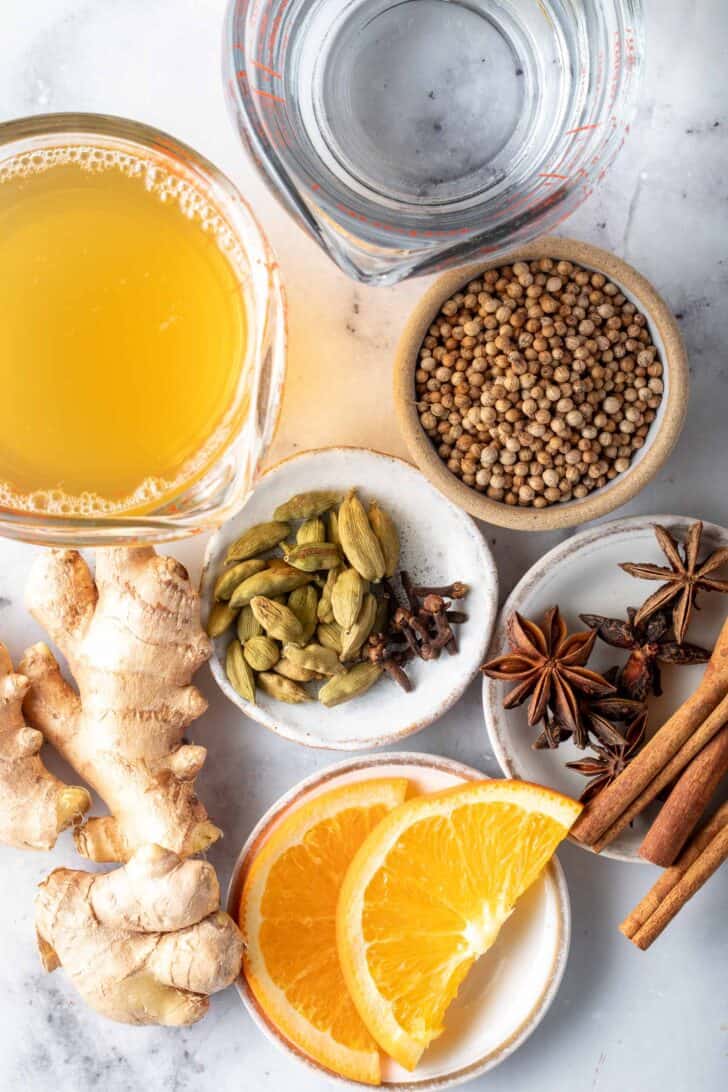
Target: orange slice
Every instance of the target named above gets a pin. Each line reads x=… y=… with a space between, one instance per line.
x=427 y=893
x=288 y=919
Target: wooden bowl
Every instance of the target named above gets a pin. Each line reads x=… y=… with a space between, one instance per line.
x=664 y=430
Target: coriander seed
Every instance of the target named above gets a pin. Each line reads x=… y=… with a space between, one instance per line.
x=538 y=382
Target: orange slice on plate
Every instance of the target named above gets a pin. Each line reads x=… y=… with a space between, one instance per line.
x=427 y=894
x=288 y=919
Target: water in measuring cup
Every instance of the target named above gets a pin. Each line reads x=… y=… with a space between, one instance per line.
x=418 y=103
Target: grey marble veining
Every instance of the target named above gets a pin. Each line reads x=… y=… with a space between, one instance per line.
x=623 y=1021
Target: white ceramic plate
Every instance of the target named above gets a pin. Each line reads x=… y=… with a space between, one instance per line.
x=507 y=993
x=582 y=576
x=440 y=544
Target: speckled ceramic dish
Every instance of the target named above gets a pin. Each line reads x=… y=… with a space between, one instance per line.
x=511 y=988
x=440 y=544
x=582 y=576
x=662 y=435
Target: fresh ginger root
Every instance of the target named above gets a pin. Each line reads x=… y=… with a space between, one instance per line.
x=144 y=944
x=34 y=805
x=133 y=641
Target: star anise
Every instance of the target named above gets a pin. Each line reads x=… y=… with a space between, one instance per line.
x=548 y=663
x=683 y=580
x=598 y=718
x=551 y=735
x=610 y=760
x=650 y=643
x=601 y=716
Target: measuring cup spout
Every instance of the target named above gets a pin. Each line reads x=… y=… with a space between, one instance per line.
x=408 y=137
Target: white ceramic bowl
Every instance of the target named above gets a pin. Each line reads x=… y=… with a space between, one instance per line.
x=507 y=993
x=440 y=544
x=582 y=576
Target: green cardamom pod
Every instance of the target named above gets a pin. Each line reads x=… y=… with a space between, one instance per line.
x=312 y=530
x=313 y=556
x=353 y=638
x=221 y=616
x=256 y=540
x=248 y=625
x=329 y=635
x=239 y=672
x=347 y=598
x=307 y=505
x=333 y=526
x=304 y=602
x=261 y=653
x=277 y=620
x=352 y=684
x=278 y=579
x=229 y=579
x=294 y=672
x=325 y=612
x=358 y=541
x=283 y=689
x=383 y=526
x=324 y=661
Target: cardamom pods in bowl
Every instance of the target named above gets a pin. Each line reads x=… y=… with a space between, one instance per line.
x=335 y=599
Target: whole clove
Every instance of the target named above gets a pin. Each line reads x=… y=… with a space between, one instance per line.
x=457 y=590
x=421 y=630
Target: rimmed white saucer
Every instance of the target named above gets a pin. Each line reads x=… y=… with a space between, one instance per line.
x=582 y=576
x=507 y=993
x=440 y=544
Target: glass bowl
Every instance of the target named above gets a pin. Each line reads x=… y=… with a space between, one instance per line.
x=407 y=136
x=252 y=417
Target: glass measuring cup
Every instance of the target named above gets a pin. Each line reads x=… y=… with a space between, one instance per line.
x=221 y=488
x=405 y=135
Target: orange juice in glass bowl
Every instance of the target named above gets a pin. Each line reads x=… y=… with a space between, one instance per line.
x=141 y=335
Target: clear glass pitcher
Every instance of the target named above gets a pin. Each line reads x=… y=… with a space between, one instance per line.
x=407 y=135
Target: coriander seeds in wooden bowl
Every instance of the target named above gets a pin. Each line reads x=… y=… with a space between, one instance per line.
x=544 y=389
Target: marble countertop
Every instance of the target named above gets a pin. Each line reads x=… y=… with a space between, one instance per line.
x=622 y=1020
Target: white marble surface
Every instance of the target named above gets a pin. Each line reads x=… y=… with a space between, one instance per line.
x=622 y=1020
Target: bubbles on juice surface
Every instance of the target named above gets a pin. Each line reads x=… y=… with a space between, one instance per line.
x=54 y=502
x=169 y=188
x=158 y=180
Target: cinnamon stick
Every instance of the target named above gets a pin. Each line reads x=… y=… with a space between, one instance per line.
x=682 y=810
x=668 y=774
x=606 y=808
x=697 y=863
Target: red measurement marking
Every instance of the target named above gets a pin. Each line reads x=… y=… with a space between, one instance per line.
x=582 y=128
x=265 y=68
x=522 y=200
x=564 y=177
x=350 y=212
x=276 y=26
x=265 y=94
x=268 y=95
